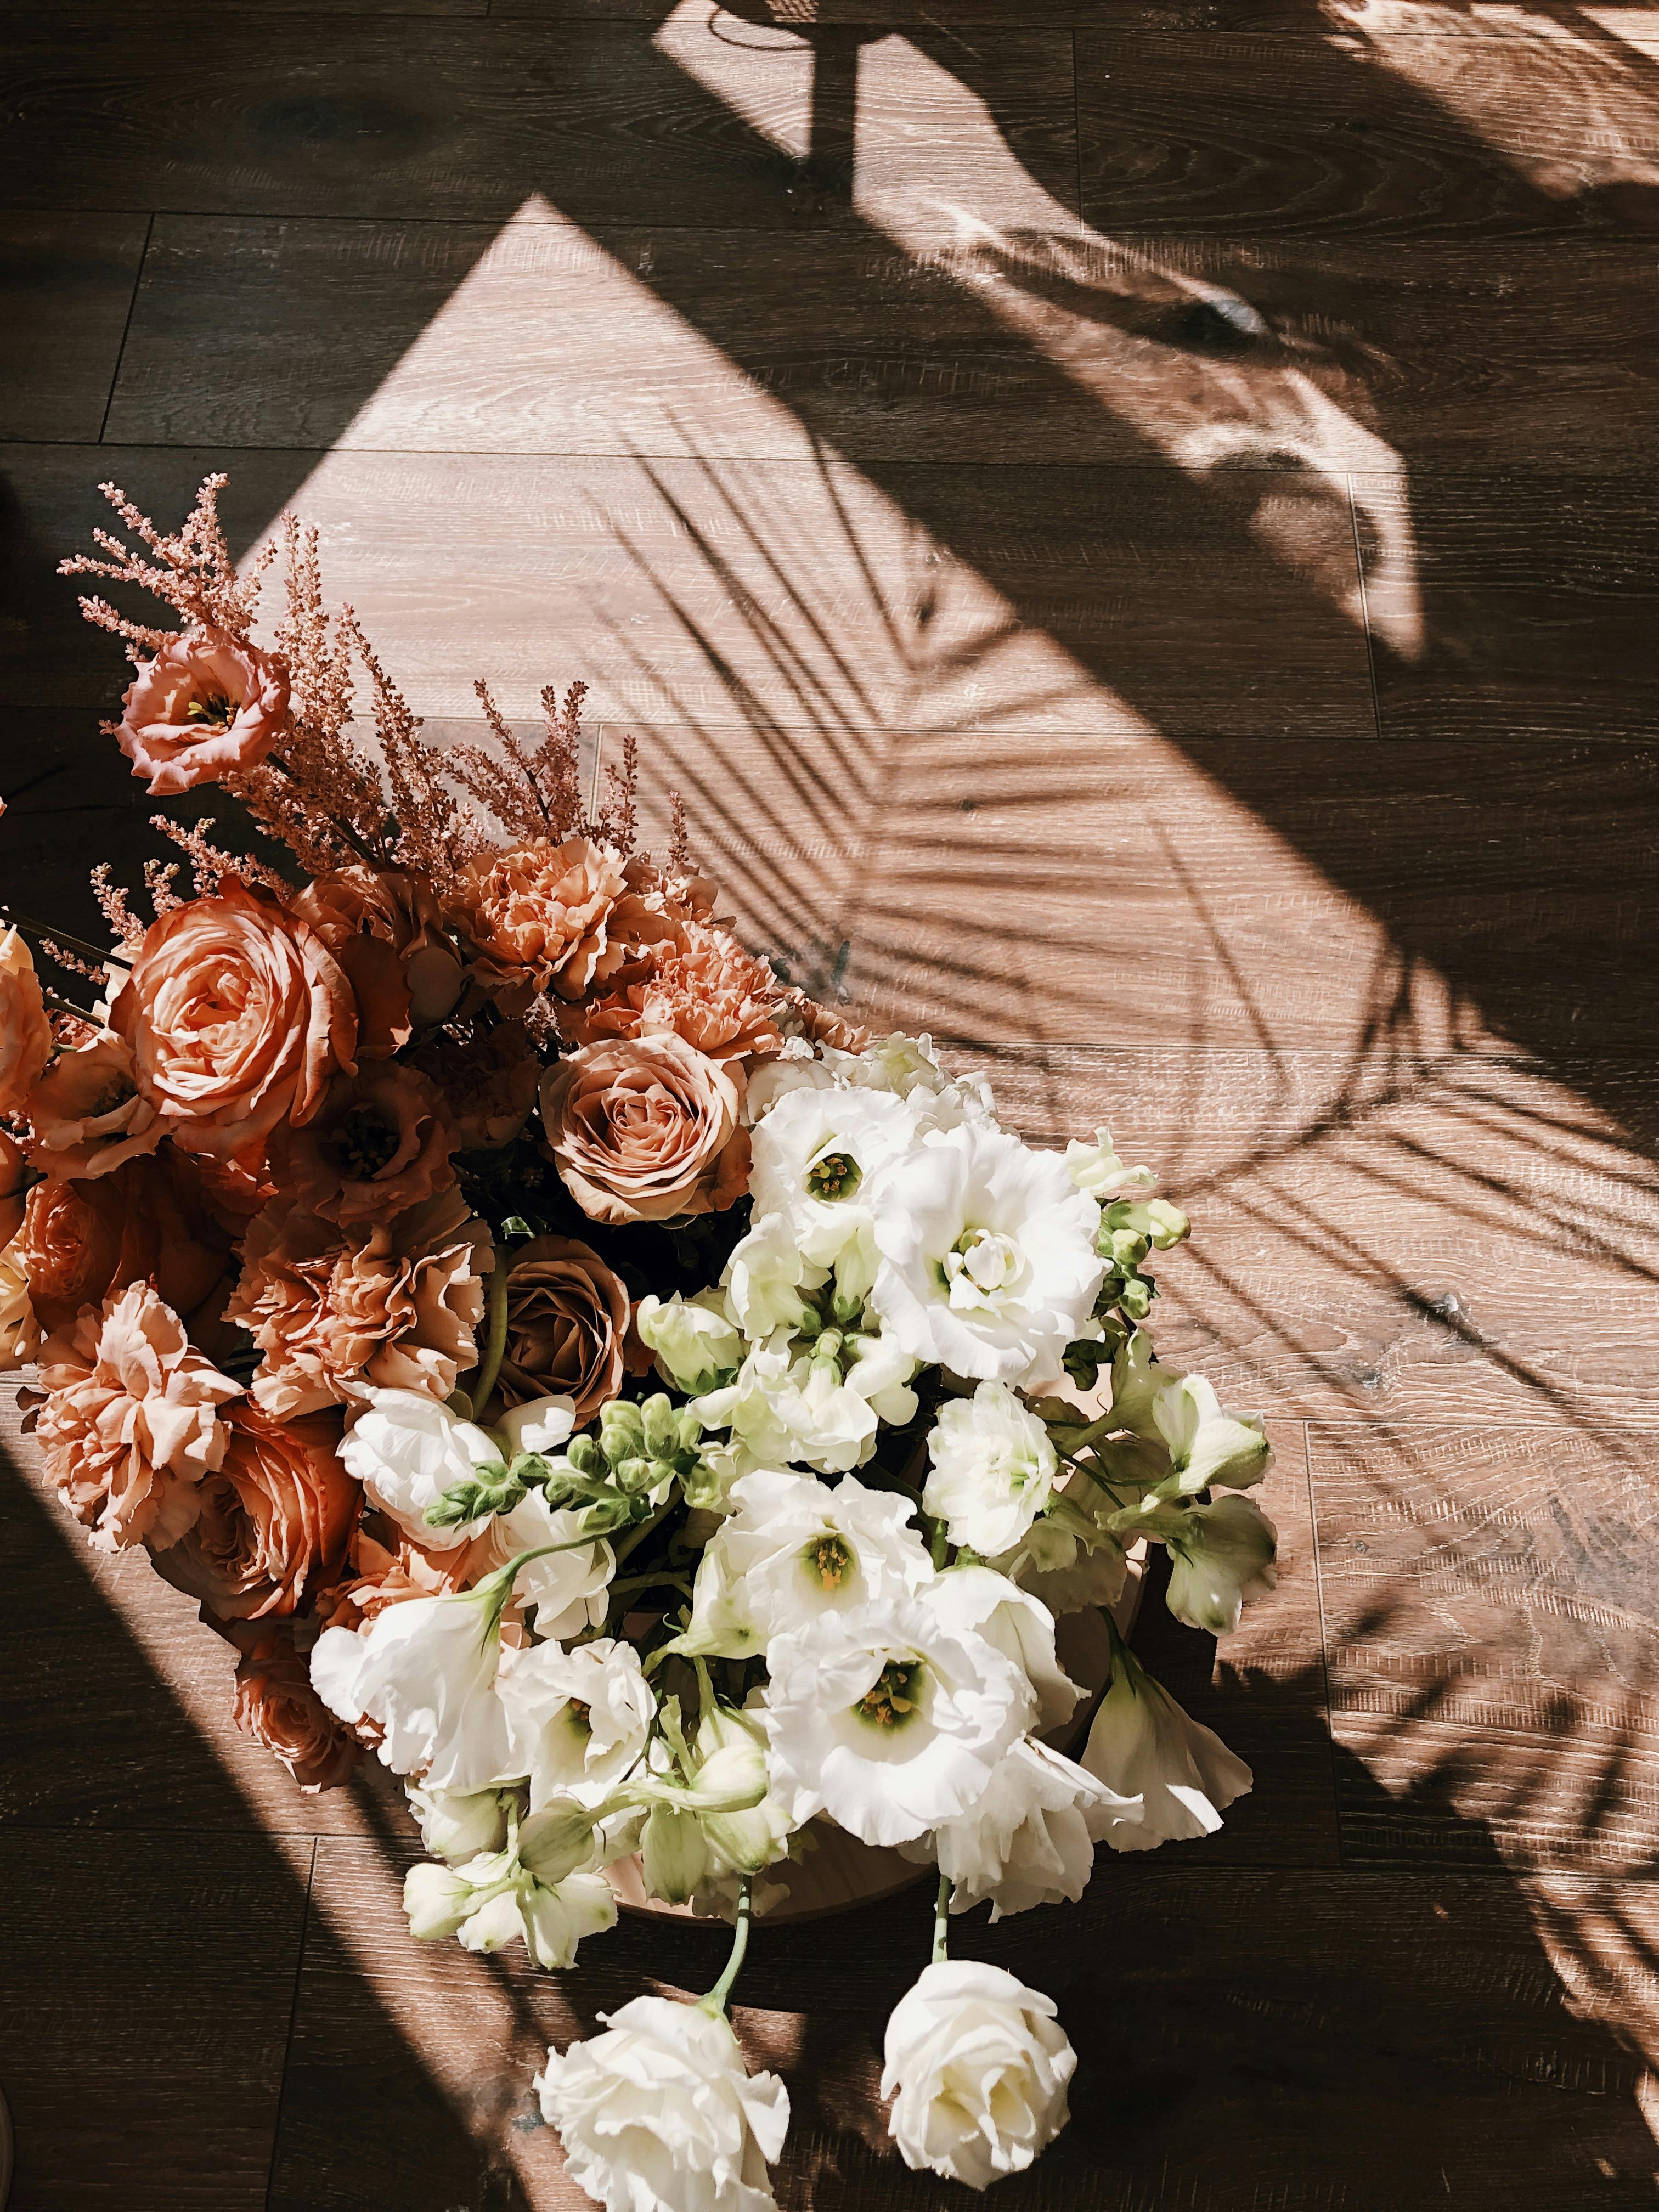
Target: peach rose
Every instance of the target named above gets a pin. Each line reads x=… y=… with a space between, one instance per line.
x=276 y=1705
x=382 y=1143
x=567 y=1321
x=87 y=1114
x=646 y=1129
x=487 y=1080
x=705 y=988
x=272 y=1521
x=339 y=1311
x=14 y=1187
x=237 y=1015
x=384 y=928
x=132 y=1423
x=25 y=1032
x=147 y=1220
x=385 y=1567
x=203 y=707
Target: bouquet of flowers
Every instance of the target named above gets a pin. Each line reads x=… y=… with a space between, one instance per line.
x=655 y=1419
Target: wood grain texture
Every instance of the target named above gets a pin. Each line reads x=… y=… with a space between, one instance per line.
x=66 y=285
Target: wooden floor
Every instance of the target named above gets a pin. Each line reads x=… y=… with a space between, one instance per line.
x=1133 y=526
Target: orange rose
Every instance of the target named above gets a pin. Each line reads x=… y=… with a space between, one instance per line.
x=236 y=1016
x=204 y=706
x=384 y=928
x=381 y=1145
x=147 y=1220
x=13 y=1185
x=276 y=1705
x=646 y=1130
x=566 y=1322
x=272 y=1522
x=25 y=1032
x=87 y=1114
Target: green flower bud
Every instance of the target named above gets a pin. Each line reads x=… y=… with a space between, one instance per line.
x=555 y=1841
x=658 y=1425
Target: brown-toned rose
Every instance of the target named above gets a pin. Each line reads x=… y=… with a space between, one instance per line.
x=13 y=1186
x=567 y=1321
x=647 y=1129
x=384 y=928
x=148 y=1220
x=237 y=1015
x=132 y=1423
x=25 y=1032
x=704 y=987
x=382 y=1143
x=272 y=1522
x=87 y=1114
x=276 y=1705
x=203 y=707
x=488 y=1081
x=337 y=1312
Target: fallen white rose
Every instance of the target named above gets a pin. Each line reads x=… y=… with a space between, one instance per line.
x=976 y=2065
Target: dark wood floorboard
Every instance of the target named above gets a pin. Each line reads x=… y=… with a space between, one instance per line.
x=66 y=288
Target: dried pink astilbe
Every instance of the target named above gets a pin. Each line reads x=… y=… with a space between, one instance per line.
x=616 y=824
x=432 y=831
x=536 y=797
x=209 y=864
x=125 y=926
x=192 y=572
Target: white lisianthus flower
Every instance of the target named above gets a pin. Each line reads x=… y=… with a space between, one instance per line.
x=581 y=1717
x=1207 y=1446
x=659 y=2114
x=495 y=1900
x=566 y=1591
x=977 y=1601
x=540 y=1425
x=976 y=2065
x=406 y=1449
x=424 y=1671
x=1220 y=1555
x=797 y=1067
x=456 y=1825
x=1030 y=1839
x=1142 y=1744
x=765 y=1279
x=1059 y=1565
x=1138 y=1383
x=887 y=1719
x=1098 y=1168
x=793 y=1549
x=994 y=1469
x=816 y=1155
x=697 y=1348
x=881 y=1372
x=988 y=1264
x=730 y=1745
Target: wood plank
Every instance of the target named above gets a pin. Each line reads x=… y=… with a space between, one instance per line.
x=1492 y=1620
x=66 y=285
x=459 y=336
x=147 y=1993
x=1389 y=135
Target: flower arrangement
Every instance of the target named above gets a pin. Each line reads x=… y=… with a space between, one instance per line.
x=574 y=1368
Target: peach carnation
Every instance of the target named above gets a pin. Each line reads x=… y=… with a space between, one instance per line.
x=384 y=928
x=381 y=1145
x=132 y=1423
x=237 y=1015
x=339 y=1311
x=704 y=987
x=276 y=1705
x=567 y=1323
x=204 y=707
x=646 y=1129
x=379 y=1574
x=535 y=915
x=272 y=1521
x=25 y=1032
x=488 y=1081
x=20 y=1332
x=87 y=1114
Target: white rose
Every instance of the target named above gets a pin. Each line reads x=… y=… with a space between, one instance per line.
x=566 y=1592
x=1142 y=1744
x=971 y=1599
x=456 y=1825
x=816 y=1155
x=407 y=1449
x=540 y=1425
x=696 y=1346
x=988 y=1264
x=976 y=2065
x=992 y=1471
x=581 y=1717
x=1030 y=1839
x=1098 y=1169
x=887 y=1719
x=1207 y=1446
x=659 y=2114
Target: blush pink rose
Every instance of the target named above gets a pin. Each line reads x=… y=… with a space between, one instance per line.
x=205 y=707
x=25 y=1032
x=647 y=1129
x=236 y=1016
x=87 y=1114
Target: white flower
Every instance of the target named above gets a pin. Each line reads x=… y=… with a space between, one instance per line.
x=792 y=1070
x=495 y=1899
x=1098 y=1169
x=988 y=1265
x=816 y=1156
x=908 y=1066
x=993 y=1469
x=1142 y=1744
x=424 y=1671
x=730 y=1827
x=1138 y=1383
x=696 y=1346
x=887 y=1719
x=1207 y=1446
x=976 y=2065
x=977 y=1601
x=659 y=2114
x=786 y=1406
x=1055 y=1561
x=1030 y=1839
x=569 y=1591
x=881 y=1373
x=765 y=1279
x=540 y=1425
x=1219 y=1555
x=793 y=1549
x=407 y=1449
x=581 y=1717
x=456 y=1825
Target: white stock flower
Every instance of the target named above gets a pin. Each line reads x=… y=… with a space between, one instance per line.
x=988 y=1257
x=581 y=1717
x=566 y=1592
x=977 y=1601
x=887 y=1719
x=787 y=1407
x=424 y=1671
x=695 y=1344
x=540 y=1425
x=406 y=1449
x=659 y=2114
x=1205 y=1445
x=976 y=2065
x=1098 y=1168
x=1138 y=1383
x=1220 y=1555
x=456 y=1825
x=765 y=1276
x=1142 y=1744
x=993 y=1469
x=793 y=1549
x=1030 y=1838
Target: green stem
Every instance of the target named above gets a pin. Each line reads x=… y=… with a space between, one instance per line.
x=938 y=1541
x=482 y=1380
x=720 y=1996
x=635 y=1537
x=942 y=1921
